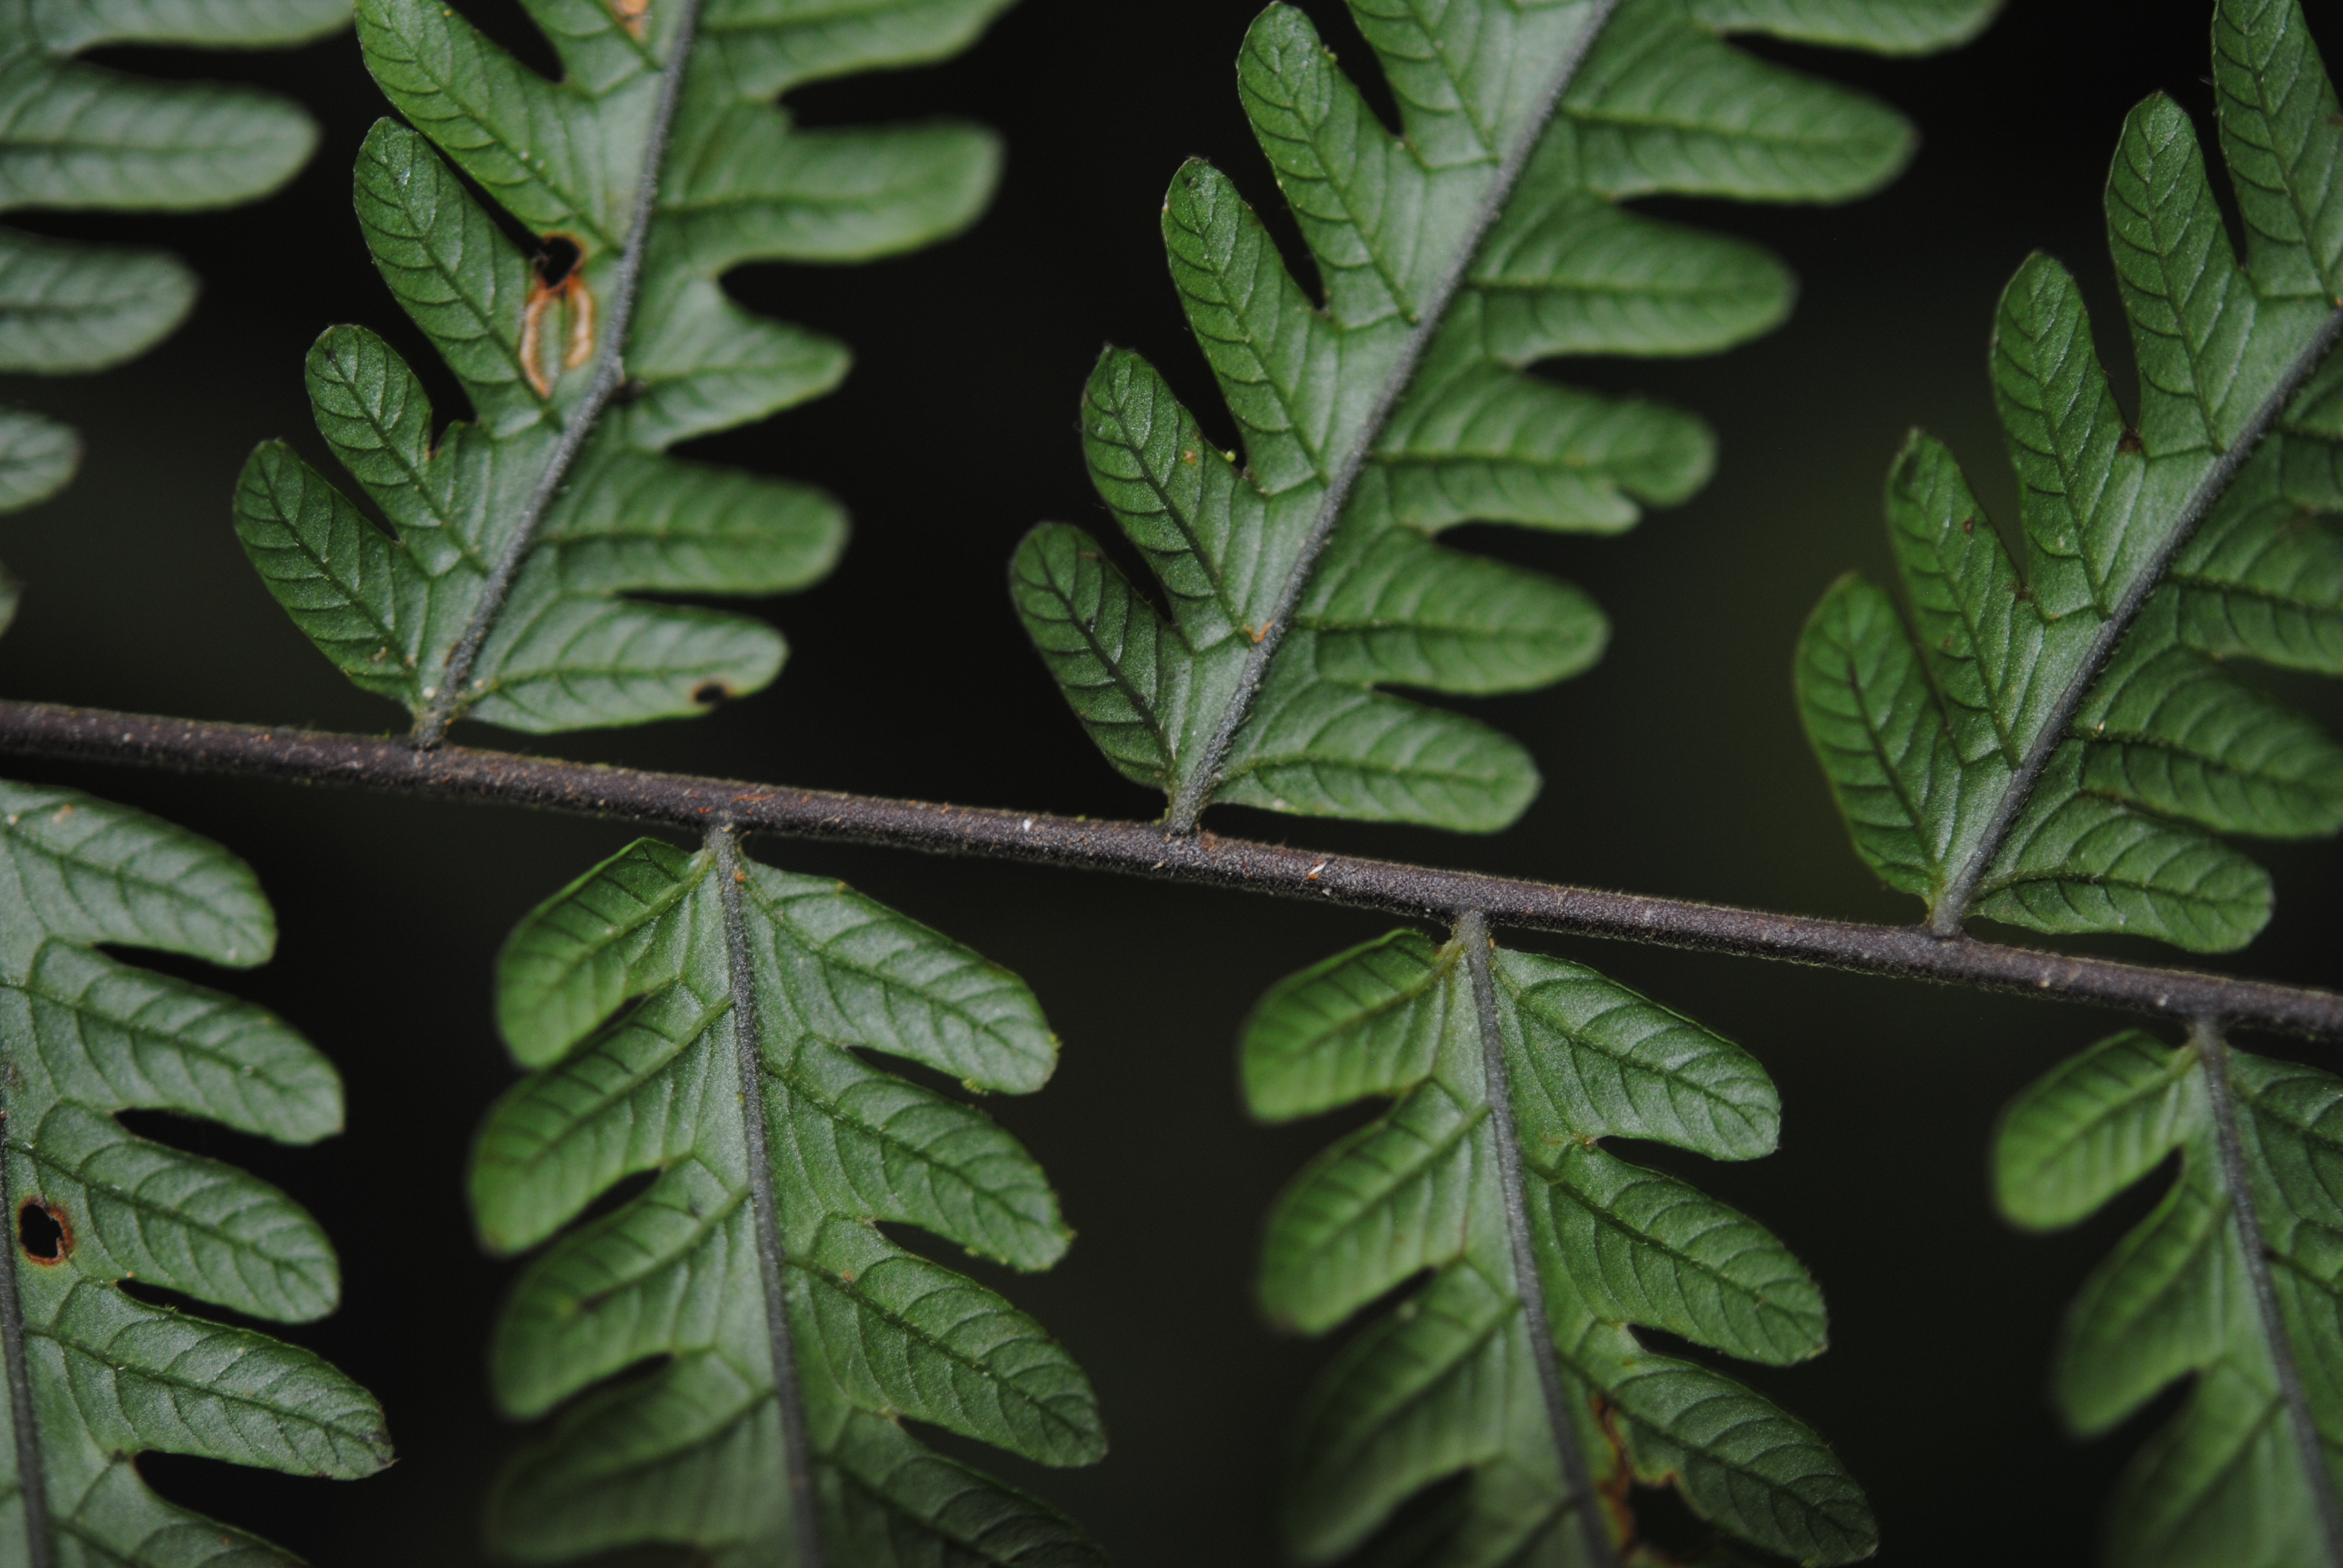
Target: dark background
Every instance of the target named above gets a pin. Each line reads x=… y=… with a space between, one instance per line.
x=1675 y=768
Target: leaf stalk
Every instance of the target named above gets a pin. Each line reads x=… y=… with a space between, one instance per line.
x=609 y=374
x=1473 y=935
x=2206 y=1035
x=772 y=1259
x=1196 y=788
x=1145 y=849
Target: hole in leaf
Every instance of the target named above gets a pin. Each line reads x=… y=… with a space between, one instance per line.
x=556 y=257
x=709 y=693
x=43 y=1231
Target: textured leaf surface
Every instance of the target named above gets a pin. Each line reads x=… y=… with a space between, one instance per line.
x=1446 y=1384
x=2224 y=1482
x=78 y=135
x=620 y=990
x=1999 y=754
x=572 y=645
x=86 y=1036
x=1302 y=579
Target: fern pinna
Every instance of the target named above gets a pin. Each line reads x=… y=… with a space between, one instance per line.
x=79 y=135
x=96 y=1375
x=2232 y=1279
x=1488 y=237
x=2059 y=749
x=656 y=164
x=697 y=1015
x=1516 y=1365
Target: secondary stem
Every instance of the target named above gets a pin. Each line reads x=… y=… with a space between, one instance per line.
x=1196 y=786
x=2213 y=1051
x=1143 y=849
x=772 y=1261
x=609 y=374
x=1496 y=1078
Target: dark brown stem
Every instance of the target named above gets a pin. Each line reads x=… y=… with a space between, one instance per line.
x=1145 y=849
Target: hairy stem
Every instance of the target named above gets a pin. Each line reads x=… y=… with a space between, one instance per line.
x=1497 y=1084
x=1960 y=894
x=1196 y=786
x=1143 y=849
x=31 y=1480
x=748 y=1038
x=609 y=374
x=2213 y=1051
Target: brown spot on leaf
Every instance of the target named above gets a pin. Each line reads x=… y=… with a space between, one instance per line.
x=1969 y=525
x=2130 y=441
x=44 y=1233
x=560 y=282
x=630 y=15
x=709 y=693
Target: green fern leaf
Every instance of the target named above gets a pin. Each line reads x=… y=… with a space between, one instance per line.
x=1486 y=238
x=96 y=1375
x=502 y=591
x=2060 y=749
x=2231 y=1281
x=631 y=993
x=1513 y=1205
x=78 y=135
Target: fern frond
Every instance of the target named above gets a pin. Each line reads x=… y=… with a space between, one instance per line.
x=1508 y=1069
x=2061 y=748
x=1484 y=239
x=95 y=1375
x=78 y=135
x=2232 y=1282
x=660 y=161
x=699 y=1016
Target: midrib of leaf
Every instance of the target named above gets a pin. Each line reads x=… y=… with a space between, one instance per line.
x=1196 y=786
x=765 y=1215
x=610 y=372
x=30 y=1469
x=1472 y=932
x=1962 y=891
x=2213 y=1053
